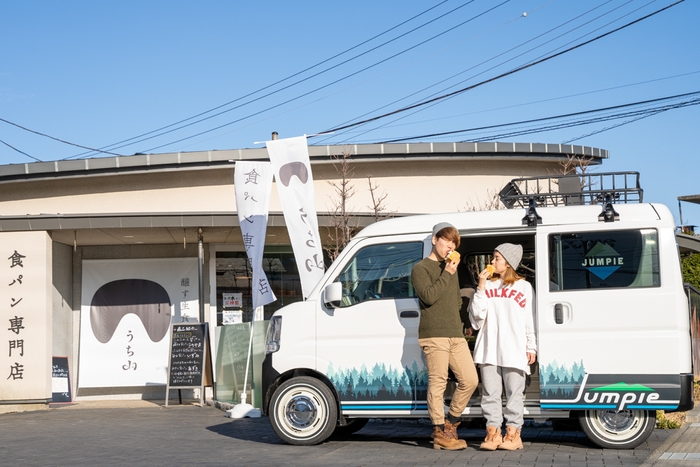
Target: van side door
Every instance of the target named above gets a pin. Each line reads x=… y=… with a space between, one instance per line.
x=368 y=345
x=605 y=341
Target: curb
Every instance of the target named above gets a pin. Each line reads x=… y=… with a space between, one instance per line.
x=692 y=417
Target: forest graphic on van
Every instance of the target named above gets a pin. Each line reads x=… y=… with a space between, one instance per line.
x=381 y=383
x=560 y=382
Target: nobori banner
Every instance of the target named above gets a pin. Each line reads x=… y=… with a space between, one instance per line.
x=290 y=162
x=253 y=183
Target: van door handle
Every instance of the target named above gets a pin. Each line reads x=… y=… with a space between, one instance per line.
x=558 y=314
x=409 y=314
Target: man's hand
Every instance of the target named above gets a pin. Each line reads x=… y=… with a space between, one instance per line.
x=451 y=267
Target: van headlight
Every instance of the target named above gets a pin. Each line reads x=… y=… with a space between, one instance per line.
x=274 y=332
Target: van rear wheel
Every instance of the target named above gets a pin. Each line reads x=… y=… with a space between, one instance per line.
x=611 y=429
x=303 y=411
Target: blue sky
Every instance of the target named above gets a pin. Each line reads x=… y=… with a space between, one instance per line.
x=98 y=73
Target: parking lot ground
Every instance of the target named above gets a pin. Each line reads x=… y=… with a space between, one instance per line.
x=148 y=434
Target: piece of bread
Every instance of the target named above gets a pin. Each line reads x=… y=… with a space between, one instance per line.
x=491 y=269
x=453 y=256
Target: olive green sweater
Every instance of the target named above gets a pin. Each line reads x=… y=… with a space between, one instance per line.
x=438 y=294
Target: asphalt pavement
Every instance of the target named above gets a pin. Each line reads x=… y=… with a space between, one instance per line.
x=148 y=434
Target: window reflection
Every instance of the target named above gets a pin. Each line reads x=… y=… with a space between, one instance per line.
x=234 y=275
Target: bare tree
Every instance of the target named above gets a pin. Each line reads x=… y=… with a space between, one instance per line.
x=343 y=219
x=491 y=203
x=574 y=165
x=378 y=207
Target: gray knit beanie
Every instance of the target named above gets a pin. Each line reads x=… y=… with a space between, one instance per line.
x=511 y=253
x=440 y=226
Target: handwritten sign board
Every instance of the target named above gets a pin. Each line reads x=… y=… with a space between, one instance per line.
x=60 y=381
x=189 y=364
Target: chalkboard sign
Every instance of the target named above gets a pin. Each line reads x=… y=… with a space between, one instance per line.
x=60 y=381
x=189 y=363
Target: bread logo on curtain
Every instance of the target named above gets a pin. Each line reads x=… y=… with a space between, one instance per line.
x=148 y=300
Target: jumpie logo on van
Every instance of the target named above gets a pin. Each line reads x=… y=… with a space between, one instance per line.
x=602 y=260
x=622 y=395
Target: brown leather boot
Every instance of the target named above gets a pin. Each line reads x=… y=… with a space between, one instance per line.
x=511 y=441
x=493 y=439
x=444 y=440
x=451 y=431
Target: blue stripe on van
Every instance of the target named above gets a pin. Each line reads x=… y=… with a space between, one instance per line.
x=609 y=407
x=386 y=407
x=652 y=407
x=577 y=407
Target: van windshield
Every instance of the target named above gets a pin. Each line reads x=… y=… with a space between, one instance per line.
x=380 y=271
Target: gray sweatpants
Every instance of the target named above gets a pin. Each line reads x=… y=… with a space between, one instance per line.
x=493 y=378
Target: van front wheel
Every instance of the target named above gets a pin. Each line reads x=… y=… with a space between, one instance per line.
x=303 y=411
x=611 y=429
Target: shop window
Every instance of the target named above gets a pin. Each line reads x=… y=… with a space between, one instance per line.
x=380 y=272
x=234 y=276
x=592 y=260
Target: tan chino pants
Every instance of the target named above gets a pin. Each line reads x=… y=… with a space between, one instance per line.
x=441 y=354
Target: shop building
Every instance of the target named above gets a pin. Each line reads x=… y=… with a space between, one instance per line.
x=102 y=255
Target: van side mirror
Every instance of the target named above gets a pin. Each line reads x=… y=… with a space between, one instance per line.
x=333 y=294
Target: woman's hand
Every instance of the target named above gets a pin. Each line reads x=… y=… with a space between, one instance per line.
x=531 y=358
x=483 y=277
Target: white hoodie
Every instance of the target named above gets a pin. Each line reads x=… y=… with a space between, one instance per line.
x=505 y=316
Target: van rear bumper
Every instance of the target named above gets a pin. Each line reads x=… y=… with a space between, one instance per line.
x=686 y=403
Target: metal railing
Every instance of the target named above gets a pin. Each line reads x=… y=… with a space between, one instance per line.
x=568 y=190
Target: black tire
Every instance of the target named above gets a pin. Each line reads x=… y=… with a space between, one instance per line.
x=303 y=411
x=625 y=429
x=354 y=425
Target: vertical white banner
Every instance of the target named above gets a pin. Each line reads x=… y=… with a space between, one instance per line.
x=253 y=183
x=295 y=185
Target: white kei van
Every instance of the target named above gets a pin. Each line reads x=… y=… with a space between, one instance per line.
x=613 y=325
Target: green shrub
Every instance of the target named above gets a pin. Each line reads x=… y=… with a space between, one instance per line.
x=691 y=270
x=665 y=423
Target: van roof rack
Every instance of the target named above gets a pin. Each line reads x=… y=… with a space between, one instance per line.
x=569 y=190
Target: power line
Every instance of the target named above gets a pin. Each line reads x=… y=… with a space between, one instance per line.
x=639 y=114
x=115 y=145
x=471 y=68
x=584 y=93
x=324 y=86
x=502 y=75
x=57 y=139
x=21 y=152
x=544 y=119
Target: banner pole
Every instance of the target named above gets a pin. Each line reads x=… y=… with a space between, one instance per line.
x=200 y=238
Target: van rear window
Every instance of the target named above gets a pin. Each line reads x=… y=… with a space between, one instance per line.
x=591 y=260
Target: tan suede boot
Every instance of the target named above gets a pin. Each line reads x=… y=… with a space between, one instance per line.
x=451 y=431
x=493 y=439
x=511 y=441
x=444 y=440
